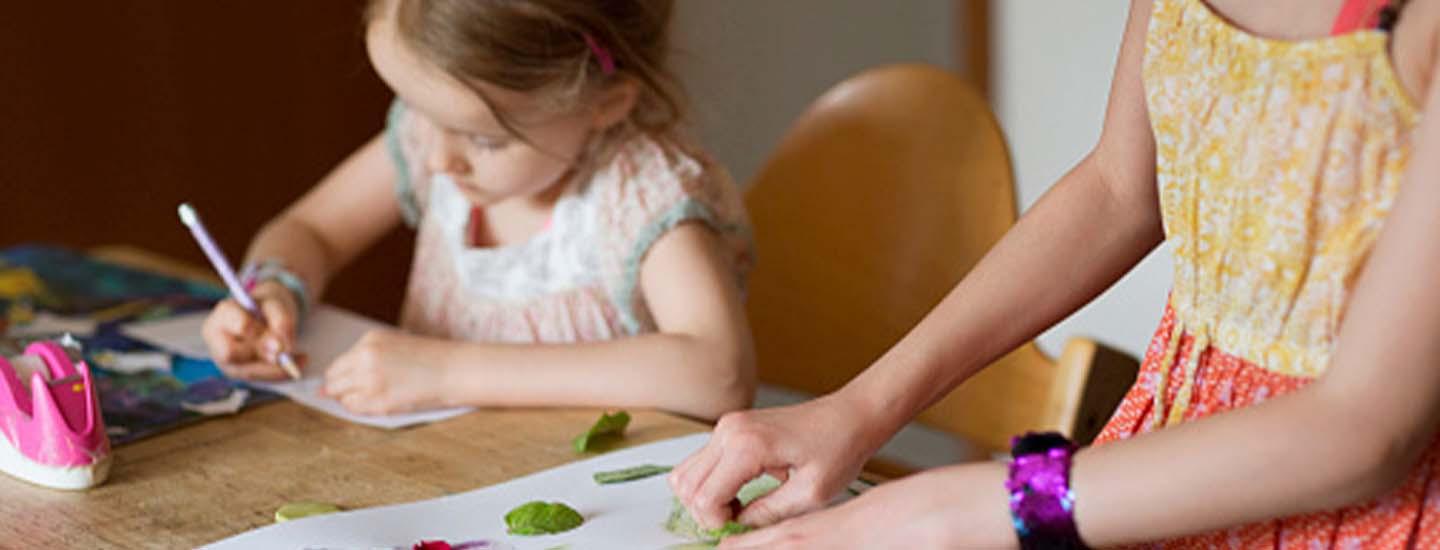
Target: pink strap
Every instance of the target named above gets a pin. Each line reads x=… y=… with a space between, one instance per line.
x=1358 y=14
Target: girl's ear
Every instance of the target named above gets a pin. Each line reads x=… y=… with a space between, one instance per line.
x=615 y=103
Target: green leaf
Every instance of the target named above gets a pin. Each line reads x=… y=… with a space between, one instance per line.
x=630 y=474
x=606 y=431
x=542 y=518
x=297 y=510
x=757 y=488
x=680 y=522
x=730 y=528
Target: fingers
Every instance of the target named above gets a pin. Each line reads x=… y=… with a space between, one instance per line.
x=242 y=345
x=686 y=477
x=773 y=538
x=254 y=370
x=737 y=453
x=339 y=381
x=779 y=442
x=800 y=532
x=358 y=404
x=227 y=326
x=230 y=333
x=278 y=308
x=825 y=528
x=711 y=503
x=358 y=399
x=342 y=386
x=352 y=381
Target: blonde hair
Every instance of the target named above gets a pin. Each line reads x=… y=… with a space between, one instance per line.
x=543 y=47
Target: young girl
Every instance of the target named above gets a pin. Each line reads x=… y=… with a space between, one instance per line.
x=1291 y=394
x=571 y=247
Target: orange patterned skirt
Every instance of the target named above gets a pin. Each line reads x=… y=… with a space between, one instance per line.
x=1408 y=517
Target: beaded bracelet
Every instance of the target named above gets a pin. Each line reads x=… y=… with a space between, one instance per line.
x=273 y=270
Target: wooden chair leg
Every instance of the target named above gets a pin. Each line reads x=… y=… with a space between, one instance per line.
x=1094 y=379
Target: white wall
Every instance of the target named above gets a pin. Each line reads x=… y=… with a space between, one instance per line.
x=751 y=66
x=1052 y=61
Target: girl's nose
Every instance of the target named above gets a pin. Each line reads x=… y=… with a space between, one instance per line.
x=446 y=156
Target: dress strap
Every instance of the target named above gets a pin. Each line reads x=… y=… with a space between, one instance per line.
x=1358 y=14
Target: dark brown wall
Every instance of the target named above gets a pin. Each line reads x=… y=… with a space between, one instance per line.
x=112 y=113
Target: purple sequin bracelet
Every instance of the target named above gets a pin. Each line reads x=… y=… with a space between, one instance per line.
x=1041 y=503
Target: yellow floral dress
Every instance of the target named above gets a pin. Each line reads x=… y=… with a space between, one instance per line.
x=1277 y=164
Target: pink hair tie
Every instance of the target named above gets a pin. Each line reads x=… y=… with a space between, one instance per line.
x=607 y=63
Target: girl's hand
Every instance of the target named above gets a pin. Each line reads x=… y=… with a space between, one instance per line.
x=246 y=348
x=817 y=447
x=388 y=372
x=954 y=507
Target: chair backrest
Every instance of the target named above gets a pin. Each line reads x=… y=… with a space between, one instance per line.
x=886 y=191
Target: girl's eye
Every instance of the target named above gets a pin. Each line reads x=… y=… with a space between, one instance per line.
x=487 y=144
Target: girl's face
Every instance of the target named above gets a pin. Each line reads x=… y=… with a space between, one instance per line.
x=487 y=163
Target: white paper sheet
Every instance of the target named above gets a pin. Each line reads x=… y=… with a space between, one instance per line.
x=46 y=324
x=327 y=333
x=623 y=516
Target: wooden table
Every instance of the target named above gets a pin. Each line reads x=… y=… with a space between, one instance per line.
x=211 y=480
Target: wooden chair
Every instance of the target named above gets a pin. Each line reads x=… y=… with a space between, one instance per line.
x=882 y=196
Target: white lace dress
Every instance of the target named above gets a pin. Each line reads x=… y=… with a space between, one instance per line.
x=578 y=280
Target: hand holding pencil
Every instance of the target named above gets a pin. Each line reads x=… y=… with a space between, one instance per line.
x=250 y=336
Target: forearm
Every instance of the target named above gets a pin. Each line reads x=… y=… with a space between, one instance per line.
x=1284 y=457
x=1073 y=244
x=299 y=247
x=1231 y=469
x=678 y=373
x=350 y=209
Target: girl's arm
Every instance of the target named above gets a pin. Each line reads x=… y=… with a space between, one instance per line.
x=1354 y=434
x=700 y=363
x=1097 y=222
x=345 y=213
